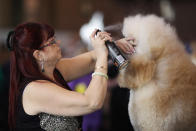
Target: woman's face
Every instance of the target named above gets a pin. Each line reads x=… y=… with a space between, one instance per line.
x=51 y=49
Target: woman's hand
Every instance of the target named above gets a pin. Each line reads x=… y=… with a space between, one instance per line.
x=126 y=45
x=98 y=42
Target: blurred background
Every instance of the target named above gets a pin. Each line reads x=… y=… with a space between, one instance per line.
x=73 y=21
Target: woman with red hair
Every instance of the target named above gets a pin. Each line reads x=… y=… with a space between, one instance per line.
x=39 y=75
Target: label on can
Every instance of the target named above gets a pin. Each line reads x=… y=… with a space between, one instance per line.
x=120 y=59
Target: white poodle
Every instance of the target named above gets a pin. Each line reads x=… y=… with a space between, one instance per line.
x=160 y=76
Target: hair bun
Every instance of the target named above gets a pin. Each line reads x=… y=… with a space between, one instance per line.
x=9 y=41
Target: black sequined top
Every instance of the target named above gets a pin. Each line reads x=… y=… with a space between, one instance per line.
x=59 y=123
x=44 y=121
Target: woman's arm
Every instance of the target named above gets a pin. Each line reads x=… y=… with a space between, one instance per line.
x=44 y=96
x=73 y=68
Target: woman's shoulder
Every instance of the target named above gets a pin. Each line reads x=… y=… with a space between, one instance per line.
x=37 y=93
x=40 y=84
x=37 y=82
x=39 y=87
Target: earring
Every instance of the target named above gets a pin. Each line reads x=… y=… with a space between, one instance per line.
x=42 y=66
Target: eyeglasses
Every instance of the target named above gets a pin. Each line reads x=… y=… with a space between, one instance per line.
x=50 y=42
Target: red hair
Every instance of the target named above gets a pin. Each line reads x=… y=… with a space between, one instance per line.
x=26 y=38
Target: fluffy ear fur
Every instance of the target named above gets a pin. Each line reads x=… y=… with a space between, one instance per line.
x=138 y=73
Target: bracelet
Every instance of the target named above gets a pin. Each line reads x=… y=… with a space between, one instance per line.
x=100 y=74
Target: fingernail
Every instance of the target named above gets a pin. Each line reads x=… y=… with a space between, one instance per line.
x=129 y=52
x=134 y=50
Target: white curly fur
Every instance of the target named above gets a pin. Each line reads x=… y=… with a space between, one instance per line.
x=160 y=76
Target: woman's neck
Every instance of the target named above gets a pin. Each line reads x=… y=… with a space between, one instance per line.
x=49 y=71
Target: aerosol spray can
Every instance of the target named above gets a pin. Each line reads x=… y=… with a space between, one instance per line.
x=116 y=55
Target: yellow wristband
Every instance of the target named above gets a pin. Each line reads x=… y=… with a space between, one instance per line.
x=100 y=74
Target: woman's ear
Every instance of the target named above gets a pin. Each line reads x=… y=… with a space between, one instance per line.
x=37 y=55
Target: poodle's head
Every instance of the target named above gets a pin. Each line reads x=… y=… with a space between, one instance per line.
x=152 y=35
